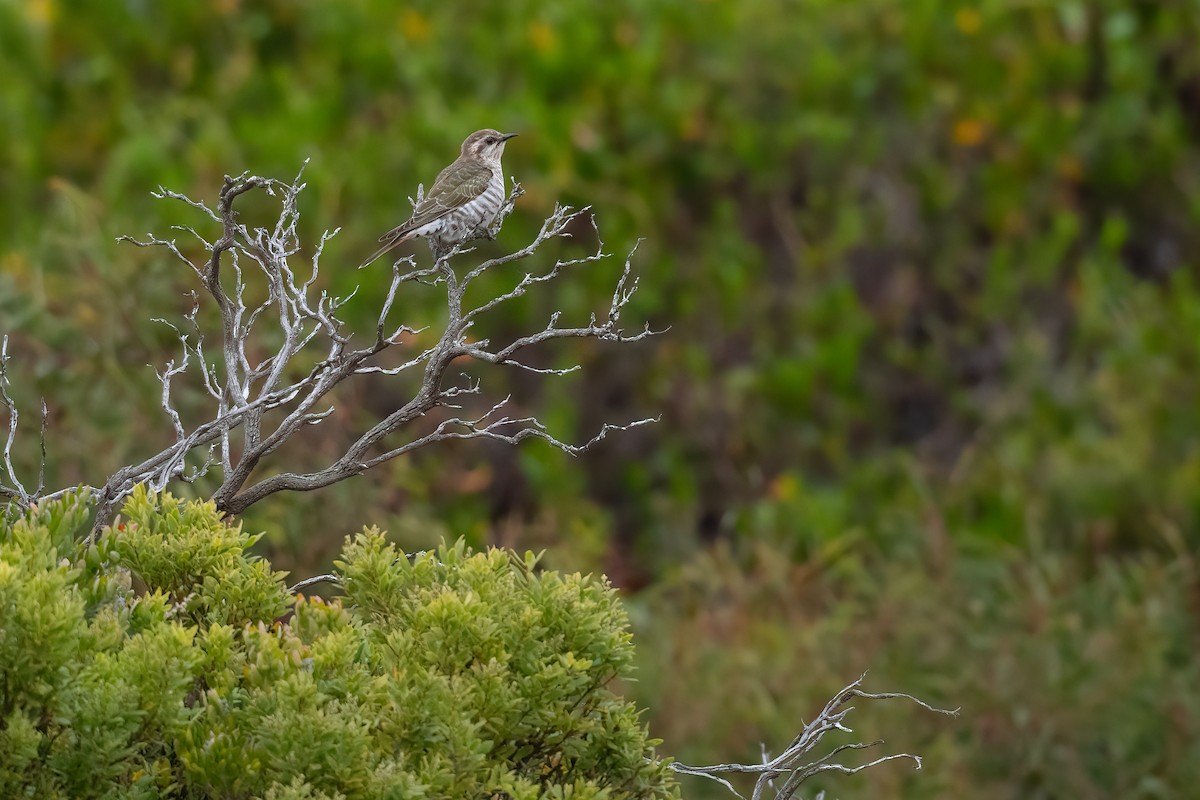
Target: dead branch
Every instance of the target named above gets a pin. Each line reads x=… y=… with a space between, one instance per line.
x=258 y=404
x=783 y=774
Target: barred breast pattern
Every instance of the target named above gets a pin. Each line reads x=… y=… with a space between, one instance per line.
x=460 y=223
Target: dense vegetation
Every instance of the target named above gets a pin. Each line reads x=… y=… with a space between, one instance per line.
x=449 y=674
x=930 y=393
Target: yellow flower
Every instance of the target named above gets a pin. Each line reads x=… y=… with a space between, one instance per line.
x=541 y=36
x=414 y=25
x=968 y=21
x=41 y=12
x=968 y=132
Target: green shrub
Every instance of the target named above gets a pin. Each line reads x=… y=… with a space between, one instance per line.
x=449 y=674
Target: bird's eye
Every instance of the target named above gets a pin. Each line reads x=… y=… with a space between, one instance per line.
x=491 y=140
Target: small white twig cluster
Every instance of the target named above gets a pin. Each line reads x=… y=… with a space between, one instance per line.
x=259 y=403
x=783 y=774
x=14 y=489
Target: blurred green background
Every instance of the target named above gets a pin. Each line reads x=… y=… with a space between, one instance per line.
x=930 y=392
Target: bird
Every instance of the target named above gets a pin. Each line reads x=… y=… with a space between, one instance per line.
x=465 y=197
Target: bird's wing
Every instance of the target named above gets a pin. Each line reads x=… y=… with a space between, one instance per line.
x=456 y=185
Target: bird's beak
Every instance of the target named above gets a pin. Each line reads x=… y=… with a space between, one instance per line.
x=507 y=136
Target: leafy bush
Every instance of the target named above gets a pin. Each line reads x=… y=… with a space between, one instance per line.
x=448 y=674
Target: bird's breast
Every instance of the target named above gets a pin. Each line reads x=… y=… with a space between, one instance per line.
x=465 y=220
x=483 y=208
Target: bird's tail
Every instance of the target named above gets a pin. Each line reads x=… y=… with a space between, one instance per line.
x=386 y=247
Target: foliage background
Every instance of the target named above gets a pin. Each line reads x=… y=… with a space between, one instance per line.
x=930 y=393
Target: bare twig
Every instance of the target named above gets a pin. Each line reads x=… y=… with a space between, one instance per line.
x=14 y=489
x=793 y=766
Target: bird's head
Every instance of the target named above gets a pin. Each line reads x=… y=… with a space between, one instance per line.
x=487 y=145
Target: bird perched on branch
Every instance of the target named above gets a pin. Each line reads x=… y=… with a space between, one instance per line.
x=465 y=198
